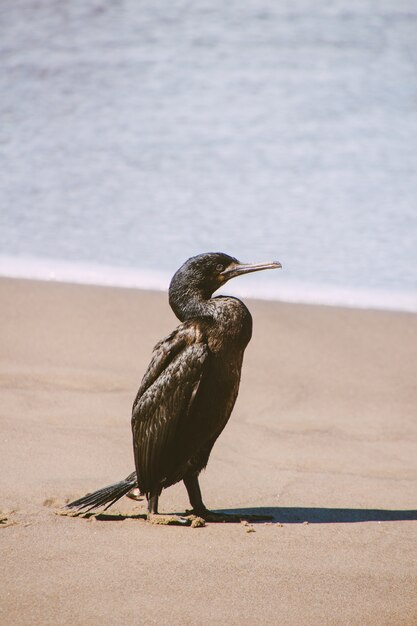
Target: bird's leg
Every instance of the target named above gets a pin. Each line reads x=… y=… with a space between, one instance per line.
x=153 y=504
x=155 y=518
x=194 y=494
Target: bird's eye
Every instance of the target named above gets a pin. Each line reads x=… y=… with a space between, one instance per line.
x=219 y=267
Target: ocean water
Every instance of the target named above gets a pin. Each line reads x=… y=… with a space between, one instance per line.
x=134 y=135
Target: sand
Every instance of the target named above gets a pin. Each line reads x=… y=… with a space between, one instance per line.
x=323 y=438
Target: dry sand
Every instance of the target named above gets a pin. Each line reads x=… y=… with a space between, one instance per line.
x=323 y=437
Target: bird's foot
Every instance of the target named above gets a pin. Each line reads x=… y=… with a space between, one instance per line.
x=134 y=494
x=210 y=516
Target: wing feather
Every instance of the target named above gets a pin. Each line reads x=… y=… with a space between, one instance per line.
x=165 y=351
x=163 y=405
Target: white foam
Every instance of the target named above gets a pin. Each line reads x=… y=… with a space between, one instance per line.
x=278 y=290
x=82 y=273
x=308 y=293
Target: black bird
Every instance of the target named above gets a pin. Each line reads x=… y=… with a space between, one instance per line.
x=189 y=389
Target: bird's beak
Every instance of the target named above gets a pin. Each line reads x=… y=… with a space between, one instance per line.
x=236 y=269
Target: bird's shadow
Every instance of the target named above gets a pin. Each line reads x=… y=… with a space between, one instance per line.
x=320 y=515
x=282 y=515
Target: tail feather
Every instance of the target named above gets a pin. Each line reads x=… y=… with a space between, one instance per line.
x=107 y=495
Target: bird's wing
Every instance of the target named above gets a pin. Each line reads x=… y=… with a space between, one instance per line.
x=165 y=351
x=163 y=403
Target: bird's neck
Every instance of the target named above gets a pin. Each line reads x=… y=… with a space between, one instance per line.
x=187 y=302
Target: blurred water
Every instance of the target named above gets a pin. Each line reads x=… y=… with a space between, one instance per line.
x=135 y=134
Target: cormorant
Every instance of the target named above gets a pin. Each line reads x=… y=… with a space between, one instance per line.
x=189 y=389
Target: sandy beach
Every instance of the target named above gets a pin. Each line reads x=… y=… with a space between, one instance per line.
x=322 y=438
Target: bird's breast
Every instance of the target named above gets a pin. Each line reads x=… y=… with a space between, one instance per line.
x=231 y=328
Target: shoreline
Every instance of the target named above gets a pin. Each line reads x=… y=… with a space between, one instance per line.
x=52 y=270
x=322 y=437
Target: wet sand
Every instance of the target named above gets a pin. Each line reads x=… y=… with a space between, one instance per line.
x=322 y=438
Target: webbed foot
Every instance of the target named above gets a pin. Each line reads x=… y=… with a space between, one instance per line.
x=134 y=494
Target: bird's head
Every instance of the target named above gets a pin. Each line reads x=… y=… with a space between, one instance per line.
x=203 y=274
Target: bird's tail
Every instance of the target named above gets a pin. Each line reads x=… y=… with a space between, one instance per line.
x=107 y=495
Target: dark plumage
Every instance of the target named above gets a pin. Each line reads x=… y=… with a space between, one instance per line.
x=190 y=387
